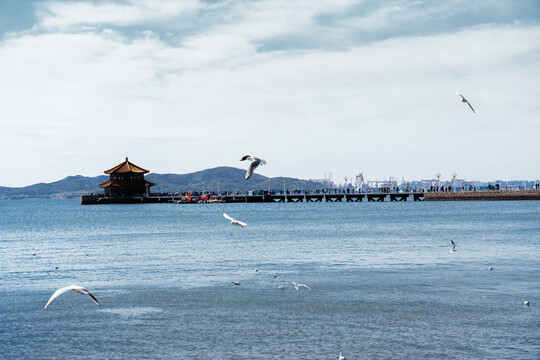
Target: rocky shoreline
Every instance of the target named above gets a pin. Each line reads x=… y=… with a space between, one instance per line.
x=492 y=195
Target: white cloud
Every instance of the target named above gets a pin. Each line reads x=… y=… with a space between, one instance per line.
x=269 y=18
x=62 y=15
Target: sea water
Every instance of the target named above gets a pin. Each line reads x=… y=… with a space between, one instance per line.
x=383 y=281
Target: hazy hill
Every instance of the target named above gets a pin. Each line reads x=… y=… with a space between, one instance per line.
x=231 y=179
x=68 y=187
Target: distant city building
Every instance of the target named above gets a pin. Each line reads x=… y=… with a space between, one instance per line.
x=325 y=182
x=126 y=179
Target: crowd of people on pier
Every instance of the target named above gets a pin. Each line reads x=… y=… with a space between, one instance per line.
x=198 y=195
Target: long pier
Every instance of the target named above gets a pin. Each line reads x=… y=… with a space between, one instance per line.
x=491 y=195
x=265 y=198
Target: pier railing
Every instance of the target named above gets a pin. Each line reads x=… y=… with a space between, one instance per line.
x=265 y=197
x=333 y=195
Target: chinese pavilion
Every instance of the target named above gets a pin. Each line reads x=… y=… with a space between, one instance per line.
x=126 y=179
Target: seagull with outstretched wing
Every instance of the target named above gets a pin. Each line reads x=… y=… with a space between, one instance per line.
x=466 y=101
x=255 y=161
x=453 y=246
x=75 y=288
x=298 y=286
x=234 y=221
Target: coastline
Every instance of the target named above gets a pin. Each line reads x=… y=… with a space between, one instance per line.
x=488 y=195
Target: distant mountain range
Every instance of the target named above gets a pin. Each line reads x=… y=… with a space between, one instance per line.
x=231 y=179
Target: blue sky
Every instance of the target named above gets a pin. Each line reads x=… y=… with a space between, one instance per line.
x=346 y=86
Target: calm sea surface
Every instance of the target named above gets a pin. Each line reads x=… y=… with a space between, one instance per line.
x=384 y=284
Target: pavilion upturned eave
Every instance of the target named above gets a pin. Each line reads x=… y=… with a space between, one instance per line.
x=119 y=183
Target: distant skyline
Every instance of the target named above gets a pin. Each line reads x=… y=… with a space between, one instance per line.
x=310 y=86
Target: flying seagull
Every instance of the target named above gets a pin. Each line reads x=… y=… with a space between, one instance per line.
x=453 y=246
x=526 y=303
x=466 y=101
x=75 y=288
x=255 y=161
x=298 y=286
x=342 y=357
x=237 y=283
x=234 y=221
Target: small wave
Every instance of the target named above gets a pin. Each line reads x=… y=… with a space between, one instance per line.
x=132 y=312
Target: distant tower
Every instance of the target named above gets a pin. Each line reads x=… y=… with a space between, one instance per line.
x=359 y=180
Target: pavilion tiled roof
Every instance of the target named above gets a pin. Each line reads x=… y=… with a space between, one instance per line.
x=126 y=167
x=125 y=183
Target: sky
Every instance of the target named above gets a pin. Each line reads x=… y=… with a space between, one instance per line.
x=341 y=86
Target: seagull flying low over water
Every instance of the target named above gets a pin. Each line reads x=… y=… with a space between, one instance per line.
x=237 y=283
x=255 y=161
x=466 y=101
x=75 y=288
x=234 y=221
x=453 y=246
x=526 y=303
x=342 y=357
x=298 y=286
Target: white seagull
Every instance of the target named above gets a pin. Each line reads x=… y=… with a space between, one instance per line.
x=234 y=221
x=280 y=287
x=490 y=268
x=342 y=357
x=453 y=246
x=237 y=283
x=75 y=288
x=255 y=161
x=526 y=303
x=298 y=286
x=466 y=101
